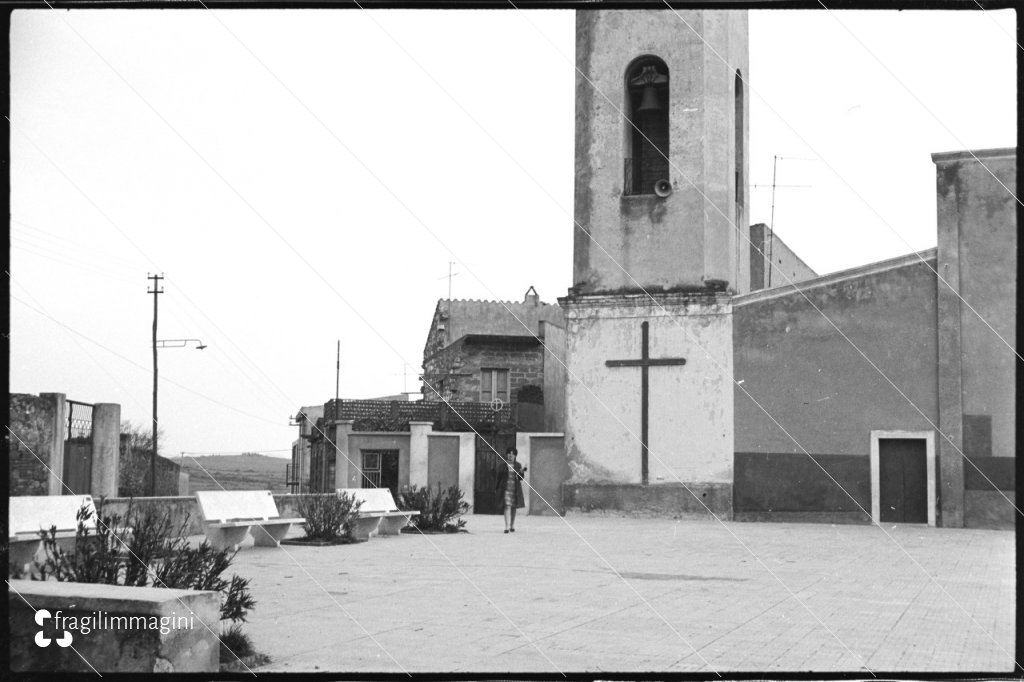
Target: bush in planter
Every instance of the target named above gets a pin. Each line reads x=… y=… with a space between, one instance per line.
x=328 y=517
x=97 y=557
x=145 y=548
x=440 y=511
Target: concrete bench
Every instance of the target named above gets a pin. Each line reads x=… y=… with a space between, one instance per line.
x=378 y=503
x=228 y=515
x=114 y=628
x=28 y=515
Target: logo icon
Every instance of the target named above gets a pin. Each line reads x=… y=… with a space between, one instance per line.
x=42 y=641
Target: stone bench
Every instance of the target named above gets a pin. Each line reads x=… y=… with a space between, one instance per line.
x=30 y=514
x=228 y=515
x=380 y=505
x=123 y=628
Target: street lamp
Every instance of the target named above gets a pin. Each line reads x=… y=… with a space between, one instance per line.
x=163 y=343
x=179 y=343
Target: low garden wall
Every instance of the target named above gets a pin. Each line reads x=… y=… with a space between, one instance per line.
x=182 y=507
x=112 y=628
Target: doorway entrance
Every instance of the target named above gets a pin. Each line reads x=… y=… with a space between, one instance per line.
x=489 y=464
x=380 y=470
x=903 y=477
x=903 y=496
x=77 y=449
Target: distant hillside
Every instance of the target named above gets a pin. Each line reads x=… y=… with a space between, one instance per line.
x=235 y=472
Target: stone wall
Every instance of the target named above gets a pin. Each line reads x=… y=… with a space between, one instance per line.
x=34 y=420
x=458 y=318
x=37 y=444
x=135 y=471
x=461 y=363
x=189 y=644
x=525 y=365
x=454 y=321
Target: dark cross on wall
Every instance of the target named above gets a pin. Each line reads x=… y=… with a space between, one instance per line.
x=644 y=363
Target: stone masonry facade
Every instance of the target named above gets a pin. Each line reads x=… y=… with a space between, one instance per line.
x=134 y=475
x=32 y=420
x=467 y=337
x=463 y=363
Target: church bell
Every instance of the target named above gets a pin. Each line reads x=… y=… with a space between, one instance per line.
x=649 y=101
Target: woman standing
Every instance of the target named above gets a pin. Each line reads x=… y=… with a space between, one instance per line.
x=510 y=486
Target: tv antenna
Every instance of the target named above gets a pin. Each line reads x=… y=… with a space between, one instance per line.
x=771 y=222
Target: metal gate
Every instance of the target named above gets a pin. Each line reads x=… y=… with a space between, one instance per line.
x=489 y=464
x=77 y=449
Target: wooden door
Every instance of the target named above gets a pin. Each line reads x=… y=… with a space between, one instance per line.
x=903 y=480
x=389 y=472
x=77 y=466
x=488 y=465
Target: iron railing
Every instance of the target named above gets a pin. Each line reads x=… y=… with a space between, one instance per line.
x=79 y=422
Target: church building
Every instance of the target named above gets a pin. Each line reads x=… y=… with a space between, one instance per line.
x=881 y=393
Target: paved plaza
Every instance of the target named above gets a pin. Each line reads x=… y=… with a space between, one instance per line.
x=596 y=593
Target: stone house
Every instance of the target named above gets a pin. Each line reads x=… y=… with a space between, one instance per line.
x=499 y=352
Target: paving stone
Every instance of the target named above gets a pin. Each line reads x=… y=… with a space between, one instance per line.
x=635 y=595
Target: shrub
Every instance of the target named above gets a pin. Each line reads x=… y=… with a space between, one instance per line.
x=237 y=653
x=234 y=643
x=201 y=568
x=96 y=556
x=154 y=538
x=437 y=512
x=145 y=548
x=328 y=517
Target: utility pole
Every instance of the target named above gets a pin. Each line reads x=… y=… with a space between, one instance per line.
x=337 y=379
x=157 y=289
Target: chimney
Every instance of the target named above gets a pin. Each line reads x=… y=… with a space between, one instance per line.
x=531 y=296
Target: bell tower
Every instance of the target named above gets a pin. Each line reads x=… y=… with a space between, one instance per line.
x=661 y=136
x=661 y=175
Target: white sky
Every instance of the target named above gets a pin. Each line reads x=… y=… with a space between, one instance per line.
x=306 y=176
